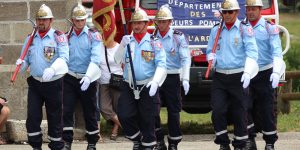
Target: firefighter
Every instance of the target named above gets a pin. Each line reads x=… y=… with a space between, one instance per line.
x=271 y=66
x=80 y=82
x=178 y=57
x=235 y=65
x=137 y=108
x=47 y=58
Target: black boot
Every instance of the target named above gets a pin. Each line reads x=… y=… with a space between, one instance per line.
x=172 y=147
x=91 y=147
x=161 y=145
x=251 y=144
x=137 y=145
x=67 y=146
x=269 y=147
x=224 y=147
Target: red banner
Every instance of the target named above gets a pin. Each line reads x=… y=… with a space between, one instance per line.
x=104 y=18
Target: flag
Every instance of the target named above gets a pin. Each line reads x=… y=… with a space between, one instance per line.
x=104 y=18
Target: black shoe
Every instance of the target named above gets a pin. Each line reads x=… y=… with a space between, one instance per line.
x=137 y=145
x=67 y=146
x=172 y=147
x=161 y=145
x=237 y=148
x=37 y=148
x=269 y=147
x=251 y=144
x=224 y=147
x=91 y=147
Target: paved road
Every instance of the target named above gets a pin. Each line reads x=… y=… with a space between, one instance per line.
x=287 y=141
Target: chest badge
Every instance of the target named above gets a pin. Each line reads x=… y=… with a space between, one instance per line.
x=49 y=53
x=173 y=52
x=147 y=55
x=236 y=41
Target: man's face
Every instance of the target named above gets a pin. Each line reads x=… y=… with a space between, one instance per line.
x=139 y=26
x=163 y=25
x=44 y=24
x=253 y=12
x=79 y=24
x=229 y=16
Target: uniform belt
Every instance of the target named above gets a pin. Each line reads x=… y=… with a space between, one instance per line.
x=230 y=71
x=76 y=75
x=266 y=67
x=52 y=79
x=141 y=82
x=174 y=71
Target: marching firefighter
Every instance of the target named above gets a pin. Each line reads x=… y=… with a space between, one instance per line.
x=271 y=67
x=137 y=107
x=47 y=58
x=235 y=65
x=80 y=82
x=177 y=59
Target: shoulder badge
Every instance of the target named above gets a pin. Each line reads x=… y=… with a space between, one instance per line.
x=177 y=32
x=58 y=37
x=270 y=22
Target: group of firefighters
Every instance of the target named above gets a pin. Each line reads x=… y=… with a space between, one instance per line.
x=65 y=69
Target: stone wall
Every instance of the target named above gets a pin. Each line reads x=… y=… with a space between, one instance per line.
x=14 y=27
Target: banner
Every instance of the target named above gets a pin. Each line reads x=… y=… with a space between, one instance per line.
x=104 y=19
x=197 y=13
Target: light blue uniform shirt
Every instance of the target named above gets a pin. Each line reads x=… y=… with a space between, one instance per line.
x=233 y=46
x=268 y=42
x=176 y=48
x=84 y=48
x=148 y=55
x=44 y=51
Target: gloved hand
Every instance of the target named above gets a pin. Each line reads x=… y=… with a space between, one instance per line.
x=125 y=40
x=85 y=81
x=48 y=74
x=19 y=61
x=153 y=88
x=186 y=86
x=274 y=78
x=246 y=79
x=212 y=56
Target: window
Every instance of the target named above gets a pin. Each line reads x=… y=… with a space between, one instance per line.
x=148 y=4
x=267 y=4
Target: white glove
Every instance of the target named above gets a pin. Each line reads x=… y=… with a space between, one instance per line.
x=19 y=61
x=85 y=81
x=246 y=79
x=212 y=56
x=48 y=74
x=186 y=86
x=125 y=40
x=153 y=88
x=274 y=78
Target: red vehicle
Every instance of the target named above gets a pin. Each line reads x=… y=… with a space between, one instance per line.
x=196 y=24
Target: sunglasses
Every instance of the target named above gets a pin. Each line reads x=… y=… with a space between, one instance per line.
x=227 y=11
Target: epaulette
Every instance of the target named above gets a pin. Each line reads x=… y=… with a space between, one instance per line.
x=217 y=24
x=93 y=30
x=152 y=37
x=177 y=32
x=57 y=32
x=244 y=22
x=270 y=22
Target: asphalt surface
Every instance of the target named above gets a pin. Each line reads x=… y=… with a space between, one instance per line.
x=286 y=141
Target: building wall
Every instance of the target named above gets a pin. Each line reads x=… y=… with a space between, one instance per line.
x=14 y=28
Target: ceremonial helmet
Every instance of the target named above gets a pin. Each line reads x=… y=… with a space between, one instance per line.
x=79 y=12
x=254 y=3
x=139 y=15
x=164 y=13
x=230 y=5
x=44 y=12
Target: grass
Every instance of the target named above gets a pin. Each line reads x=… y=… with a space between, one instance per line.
x=201 y=123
